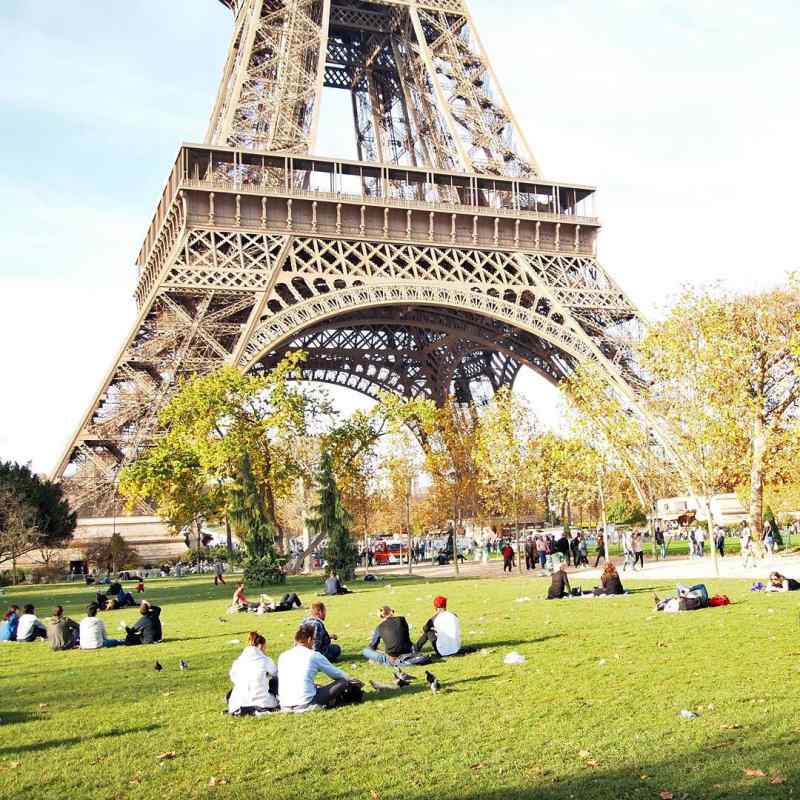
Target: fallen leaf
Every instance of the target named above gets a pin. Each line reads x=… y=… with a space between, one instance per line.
x=477 y=766
x=592 y=764
x=166 y=755
x=212 y=781
x=755 y=773
x=666 y=795
x=730 y=726
x=584 y=754
x=777 y=779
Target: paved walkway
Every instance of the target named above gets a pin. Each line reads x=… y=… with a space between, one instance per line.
x=673 y=569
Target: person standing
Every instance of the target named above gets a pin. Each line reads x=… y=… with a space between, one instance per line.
x=508 y=557
x=219 y=576
x=541 y=551
x=661 y=550
x=530 y=558
x=700 y=539
x=573 y=549
x=638 y=550
x=719 y=542
x=583 y=556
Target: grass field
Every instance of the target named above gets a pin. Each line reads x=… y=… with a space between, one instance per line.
x=592 y=713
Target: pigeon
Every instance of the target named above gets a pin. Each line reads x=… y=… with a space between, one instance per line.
x=384 y=687
x=222 y=619
x=433 y=682
x=402 y=678
x=158 y=667
x=184 y=664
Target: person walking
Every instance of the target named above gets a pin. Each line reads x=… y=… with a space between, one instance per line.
x=719 y=542
x=219 y=577
x=530 y=558
x=541 y=551
x=601 y=549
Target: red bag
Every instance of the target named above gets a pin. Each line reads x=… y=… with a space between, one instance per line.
x=719 y=600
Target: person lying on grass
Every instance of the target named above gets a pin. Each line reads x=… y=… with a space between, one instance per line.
x=297 y=669
x=8 y=627
x=690 y=598
x=610 y=582
x=396 y=641
x=92 y=631
x=62 y=632
x=268 y=606
x=322 y=639
x=780 y=583
x=147 y=629
x=254 y=679
x=442 y=630
x=30 y=626
x=559 y=584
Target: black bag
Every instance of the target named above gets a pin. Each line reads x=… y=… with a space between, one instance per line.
x=690 y=603
x=352 y=694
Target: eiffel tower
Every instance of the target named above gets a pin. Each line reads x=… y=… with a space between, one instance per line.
x=438 y=261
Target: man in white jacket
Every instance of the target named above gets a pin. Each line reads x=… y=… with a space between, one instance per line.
x=251 y=675
x=92 y=631
x=297 y=669
x=442 y=630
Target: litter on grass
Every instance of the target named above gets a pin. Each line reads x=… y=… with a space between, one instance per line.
x=233 y=641
x=523 y=600
x=686 y=714
x=514 y=658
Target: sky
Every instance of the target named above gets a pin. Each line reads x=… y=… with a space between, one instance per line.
x=683 y=113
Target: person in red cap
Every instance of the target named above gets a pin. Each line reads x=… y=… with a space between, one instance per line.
x=442 y=630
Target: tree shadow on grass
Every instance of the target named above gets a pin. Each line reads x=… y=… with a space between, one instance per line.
x=50 y=743
x=17 y=717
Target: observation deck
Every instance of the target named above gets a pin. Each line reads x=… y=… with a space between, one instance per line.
x=215 y=187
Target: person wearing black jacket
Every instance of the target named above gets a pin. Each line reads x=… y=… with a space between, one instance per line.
x=562 y=546
x=396 y=642
x=559 y=586
x=147 y=629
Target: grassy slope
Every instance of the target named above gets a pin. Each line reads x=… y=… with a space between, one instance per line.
x=499 y=732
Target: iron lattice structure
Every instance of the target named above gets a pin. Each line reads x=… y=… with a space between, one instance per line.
x=438 y=262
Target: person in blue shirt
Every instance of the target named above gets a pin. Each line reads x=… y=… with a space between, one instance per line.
x=8 y=627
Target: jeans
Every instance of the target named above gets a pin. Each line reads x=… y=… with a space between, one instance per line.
x=36 y=631
x=332 y=653
x=507 y=562
x=378 y=657
x=427 y=636
x=600 y=554
x=662 y=549
x=542 y=560
x=638 y=559
x=528 y=561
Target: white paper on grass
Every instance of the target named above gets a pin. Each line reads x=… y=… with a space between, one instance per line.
x=523 y=600
x=514 y=658
x=233 y=641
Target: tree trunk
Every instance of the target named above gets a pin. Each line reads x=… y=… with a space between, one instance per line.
x=757 y=477
x=228 y=536
x=14 y=568
x=198 y=529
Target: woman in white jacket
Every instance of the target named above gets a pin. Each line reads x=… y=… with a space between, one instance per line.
x=250 y=676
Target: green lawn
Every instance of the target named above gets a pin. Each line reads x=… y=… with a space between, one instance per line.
x=593 y=713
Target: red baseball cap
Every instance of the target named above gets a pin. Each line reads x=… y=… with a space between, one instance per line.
x=440 y=602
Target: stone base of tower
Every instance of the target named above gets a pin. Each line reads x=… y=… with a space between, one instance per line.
x=150 y=537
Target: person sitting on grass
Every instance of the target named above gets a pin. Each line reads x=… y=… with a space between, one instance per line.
x=297 y=669
x=118 y=597
x=333 y=585
x=8 y=627
x=30 y=627
x=780 y=583
x=239 y=602
x=442 y=630
x=254 y=679
x=610 y=582
x=268 y=606
x=396 y=641
x=92 y=631
x=147 y=629
x=322 y=639
x=559 y=583
x=62 y=632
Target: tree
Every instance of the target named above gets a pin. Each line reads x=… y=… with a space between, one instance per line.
x=112 y=554
x=54 y=520
x=19 y=533
x=209 y=424
x=727 y=378
x=504 y=457
x=331 y=519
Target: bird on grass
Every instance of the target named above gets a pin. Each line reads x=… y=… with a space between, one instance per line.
x=222 y=619
x=184 y=664
x=158 y=667
x=402 y=678
x=433 y=682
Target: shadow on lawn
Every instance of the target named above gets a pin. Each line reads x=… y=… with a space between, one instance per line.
x=50 y=743
x=421 y=686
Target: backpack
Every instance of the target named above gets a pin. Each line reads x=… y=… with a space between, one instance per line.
x=352 y=694
x=719 y=600
x=689 y=603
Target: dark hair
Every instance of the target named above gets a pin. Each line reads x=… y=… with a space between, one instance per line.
x=255 y=639
x=58 y=612
x=91 y=609
x=29 y=609
x=13 y=608
x=304 y=633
